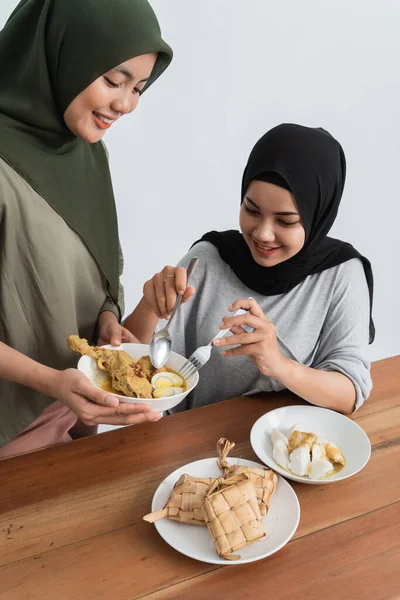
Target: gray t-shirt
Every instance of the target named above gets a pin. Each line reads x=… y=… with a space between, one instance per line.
x=322 y=323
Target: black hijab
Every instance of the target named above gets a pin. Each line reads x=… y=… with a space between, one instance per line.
x=311 y=164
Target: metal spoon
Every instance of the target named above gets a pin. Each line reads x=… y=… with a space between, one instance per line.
x=161 y=343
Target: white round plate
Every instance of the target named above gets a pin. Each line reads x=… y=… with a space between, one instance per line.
x=326 y=424
x=97 y=377
x=195 y=541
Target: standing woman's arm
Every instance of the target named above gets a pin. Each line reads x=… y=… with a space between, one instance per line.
x=109 y=305
x=109 y=329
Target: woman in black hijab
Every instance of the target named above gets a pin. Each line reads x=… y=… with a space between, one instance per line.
x=309 y=315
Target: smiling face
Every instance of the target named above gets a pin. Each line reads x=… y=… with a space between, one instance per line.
x=114 y=94
x=270 y=223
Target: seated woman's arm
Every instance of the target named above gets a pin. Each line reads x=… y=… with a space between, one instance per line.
x=344 y=338
x=328 y=389
x=339 y=377
x=142 y=322
x=159 y=296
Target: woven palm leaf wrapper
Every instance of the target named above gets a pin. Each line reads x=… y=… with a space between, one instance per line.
x=232 y=515
x=186 y=501
x=264 y=480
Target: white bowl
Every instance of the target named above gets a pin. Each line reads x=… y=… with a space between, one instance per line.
x=88 y=366
x=326 y=424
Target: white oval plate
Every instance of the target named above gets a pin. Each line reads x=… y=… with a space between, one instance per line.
x=195 y=541
x=326 y=424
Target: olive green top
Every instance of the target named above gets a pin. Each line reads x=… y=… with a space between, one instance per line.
x=50 y=287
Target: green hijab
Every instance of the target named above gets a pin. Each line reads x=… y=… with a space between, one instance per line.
x=50 y=51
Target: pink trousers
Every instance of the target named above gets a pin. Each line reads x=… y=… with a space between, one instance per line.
x=50 y=428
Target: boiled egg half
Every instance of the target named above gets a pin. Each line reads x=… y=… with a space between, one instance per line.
x=166 y=384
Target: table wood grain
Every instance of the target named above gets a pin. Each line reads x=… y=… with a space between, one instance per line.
x=71 y=516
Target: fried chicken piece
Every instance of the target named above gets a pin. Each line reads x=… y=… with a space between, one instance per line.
x=81 y=346
x=126 y=374
x=148 y=369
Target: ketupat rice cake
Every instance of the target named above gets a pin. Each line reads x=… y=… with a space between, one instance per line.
x=264 y=480
x=186 y=501
x=232 y=515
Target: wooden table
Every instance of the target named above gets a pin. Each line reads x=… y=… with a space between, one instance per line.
x=71 y=516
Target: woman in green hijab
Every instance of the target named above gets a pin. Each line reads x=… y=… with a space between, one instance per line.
x=69 y=69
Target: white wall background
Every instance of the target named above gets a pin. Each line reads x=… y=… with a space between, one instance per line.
x=241 y=67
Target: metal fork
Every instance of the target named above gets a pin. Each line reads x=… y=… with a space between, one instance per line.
x=200 y=356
